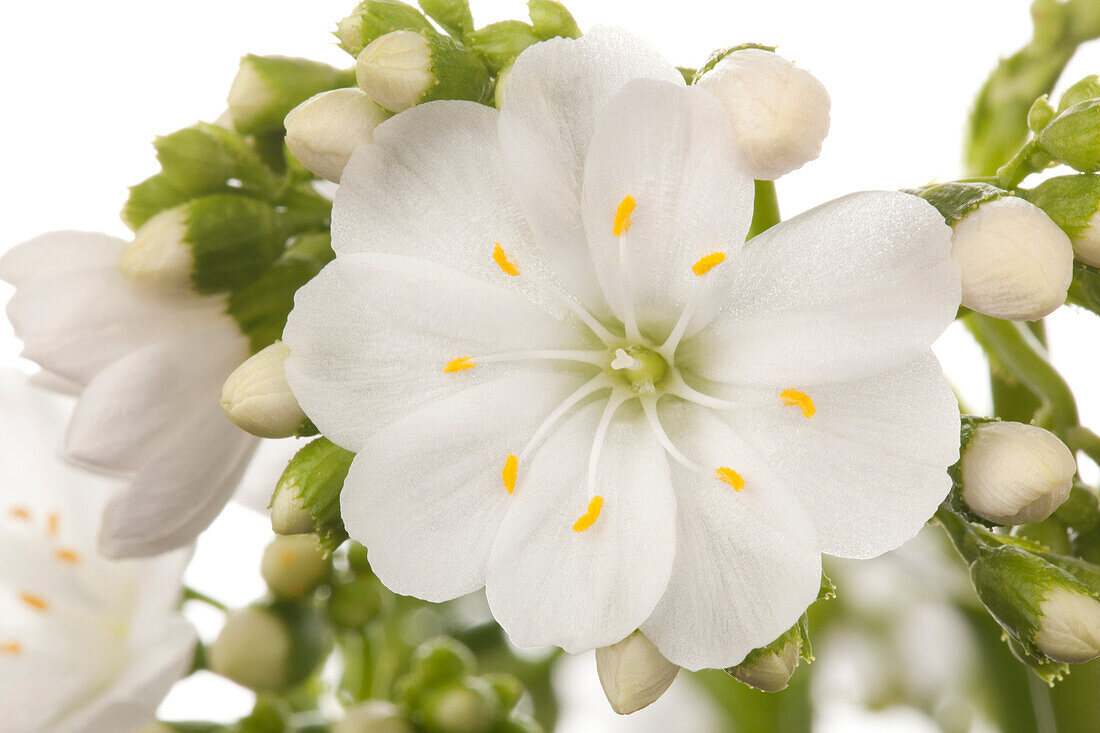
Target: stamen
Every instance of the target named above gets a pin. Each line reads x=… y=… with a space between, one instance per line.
x=503 y=262
x=731 y=477
x=459 y=364
x=708 y=262
x=590 y=516
x=34 y=601
x=614 y=401
x=52 y=523
x=678 y=387
x=20 y=513
x=649 y=406
x=508 y=476
x=591 y=386
x=69 y=556
x=594 y=357
x=622 y=221
x=14 y=648
x=793 y=397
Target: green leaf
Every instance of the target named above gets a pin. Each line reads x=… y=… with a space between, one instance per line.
x=452 y=15
x=233 y=239
x=500 y=43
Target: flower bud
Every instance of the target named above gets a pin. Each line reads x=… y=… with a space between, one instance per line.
x=405 y=68
x=373 y=716
x=266 y=88
x=1016 y=263
x=633 y=673
x=779 y=112
x=374 y=18
x=269 y=647
x=325 y=130
x=312 y=483
x=1073 y=137
x=293 y=566
x=210 y=245
x=1073 y=202
x=1040 y=114
x=768 y=669
x=1069 y=626
x=467 y=706
x=354 y=602
x=498 y=89
x=257 y=398
x=1014 y=473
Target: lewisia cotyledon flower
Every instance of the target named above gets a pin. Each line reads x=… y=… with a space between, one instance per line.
x=148 y=368
x=87 y=644
x=567 y=378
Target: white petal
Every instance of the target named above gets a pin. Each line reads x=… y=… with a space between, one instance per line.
x=370 y=336
x=871 y=465
x=76 y=323
x=59 y=253
x=425 y=494
x=849 y=289
x=149 y=397
x=548 y=584
x=556 y=90
x=747 y=564
x=670 y=148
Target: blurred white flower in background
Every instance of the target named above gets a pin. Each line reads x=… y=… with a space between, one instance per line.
x=87 y=644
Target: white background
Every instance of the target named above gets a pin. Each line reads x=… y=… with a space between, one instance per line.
x=86 y=86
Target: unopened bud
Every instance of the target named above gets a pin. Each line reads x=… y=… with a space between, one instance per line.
x=768 y=669
x=1069 y=626
x=1016 y=263
x=633 y=673
x=325 y=130
x=498 y=90
x=404 y=68
x=269 y=647
x=354 y=602
x=467 y=706
x=1014 y=473
x=1073 y=137
x=374 y=18
x=257 y=398
x=1073 y=202
x=312 y=483
x=373 y=716
x=779 y=111
x=1040 y=114
x=266 y=88
x=210 y=244
x=293 y=566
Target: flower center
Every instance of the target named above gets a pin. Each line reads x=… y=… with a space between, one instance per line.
x=641 y=368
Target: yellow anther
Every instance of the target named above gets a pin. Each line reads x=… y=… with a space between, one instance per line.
x=731 y=477
x=457 y=365
x=11 y=647
x=69 y=556
x=34 y=601
x=793 y=397
x=508 y=476
x=503 y=262
x=622 y=216
x=707 y=263
x=52 y=523
x=589 y=517
x=20 y=513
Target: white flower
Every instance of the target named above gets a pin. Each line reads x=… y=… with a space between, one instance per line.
x=87 y=645
x=257 y=398
x=148 y=367
x=633 y=673
x=1016 y=263
x=779 y=399
x=1016 y=474
x=1069 y=626
x=325 y=130
x=779 y=112
x=395 y=70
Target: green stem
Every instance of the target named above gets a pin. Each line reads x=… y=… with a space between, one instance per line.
x=190 y=594
x=966 y=541
x=1030 y=159
x=1015 y=348
x=1080 y=438
x=765 y=210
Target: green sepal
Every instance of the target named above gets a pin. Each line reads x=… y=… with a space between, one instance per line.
x=1081 y=511
x=550 y=19
x=687 y=73
x=1087 y=573
x=198 y=161
x=233 y=240
x=316 y=475
x=1040 y=114
x=287 y=82
x=722 y=53
x=1047 y=670
x=1085 y=289
x=1051 y=534
x=1069 y=200
x=506 y=687
x=457 y=72
x=309 y=636
x=374 y=18
x=956 y=199
x=261 y=308
x=500 y=43
x=1073 y=137
x=1087 y=88
x=452 y=15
